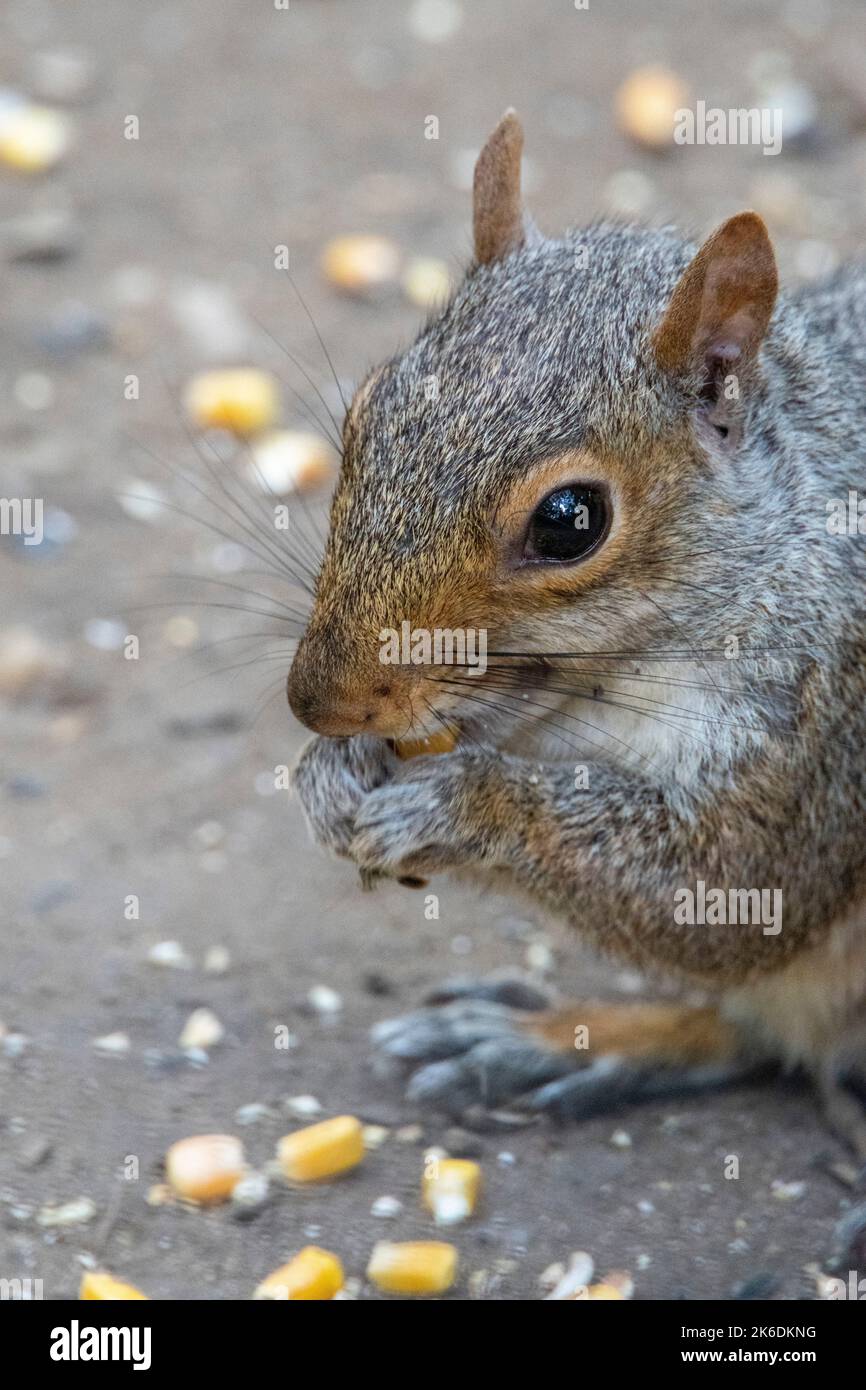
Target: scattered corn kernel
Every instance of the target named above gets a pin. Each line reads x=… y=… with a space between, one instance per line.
x=33 y=138
x=413 y=1266
x=322 y=1150
x=97 y=1284
x=647 y=103
x=443 y=742
x=358 y=264
x=601 y=1293
x=205 y=1167
x=311 y=1274
x=427 y=283
x=239 y=399
x=285 y=461
x=450 y=1189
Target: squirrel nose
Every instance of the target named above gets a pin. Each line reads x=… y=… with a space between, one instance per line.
x=334 y=716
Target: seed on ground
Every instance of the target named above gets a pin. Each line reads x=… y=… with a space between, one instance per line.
x=322 y=1151
x=205 y=1167
x=420 y=1266
x=312 y=1274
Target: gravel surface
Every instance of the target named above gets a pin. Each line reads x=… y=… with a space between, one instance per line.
x=119 y=777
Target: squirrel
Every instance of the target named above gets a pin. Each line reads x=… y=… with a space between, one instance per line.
x=616 y=455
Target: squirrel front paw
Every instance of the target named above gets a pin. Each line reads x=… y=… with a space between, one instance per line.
x=436 y=813
x=332 y=777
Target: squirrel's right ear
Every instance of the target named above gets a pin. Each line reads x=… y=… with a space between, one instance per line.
x=499 y=223
x=720 y=309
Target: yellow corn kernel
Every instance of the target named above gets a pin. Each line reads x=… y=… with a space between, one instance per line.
x=322 y=1150
x=96 y=1284
x=427 y=283
x=443 y=742
x=647 y=103
x=601 y=1293
x=33 y=138
x=285 y=461
x=450 y=1189
x=239 y=399
x=205 y=1167
x=413 y=1266
x=311 y=1274
x=360 y=264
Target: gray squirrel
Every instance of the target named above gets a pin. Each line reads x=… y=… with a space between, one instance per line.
x=624 y=473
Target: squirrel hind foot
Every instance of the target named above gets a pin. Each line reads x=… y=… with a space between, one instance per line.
x=475 y=1054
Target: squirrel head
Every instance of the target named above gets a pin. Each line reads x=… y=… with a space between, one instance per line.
x=551 y=463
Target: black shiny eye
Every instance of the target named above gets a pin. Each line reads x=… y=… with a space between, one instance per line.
x=568 y=524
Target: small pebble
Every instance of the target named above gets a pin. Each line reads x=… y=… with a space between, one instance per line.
x=74 y=1213
x=254 y=1112
x=324 y=1001
x=302 y=1107
x=217 y=960
x=540 y=958
x=386 y=1207
x=33 y=1151
x=786 y=1191
x=201 y=1031
x=374 y=1136
x=114 y=1044
x=621 y=1139
x=14 y=1045
x=250 y=1194
x=170 y=955
x=141 y=500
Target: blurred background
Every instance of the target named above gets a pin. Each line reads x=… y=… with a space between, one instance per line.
x=151 y=160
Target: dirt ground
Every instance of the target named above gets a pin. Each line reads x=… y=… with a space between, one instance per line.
x=143 y=777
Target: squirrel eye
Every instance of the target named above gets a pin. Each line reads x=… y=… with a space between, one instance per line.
x=567 y=525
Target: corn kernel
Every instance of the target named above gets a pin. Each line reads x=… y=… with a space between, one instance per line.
x=450 y=1189
x=311 y=1274
x=323 y=1150
x=205 y=1167
x=600 y=1293
x=33 y=138
x=427 y=283
x=443 y=742
x=239 y=399
x=413 y=1266
x=97 y=1284
x=647 y=103
x=359 y=264
x=285 y=461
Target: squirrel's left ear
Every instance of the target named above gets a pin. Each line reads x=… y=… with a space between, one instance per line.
x=720 y=309
x=499 y=223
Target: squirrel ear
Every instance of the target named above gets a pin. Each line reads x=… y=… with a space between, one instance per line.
x=497 y=211
x=719 y=311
